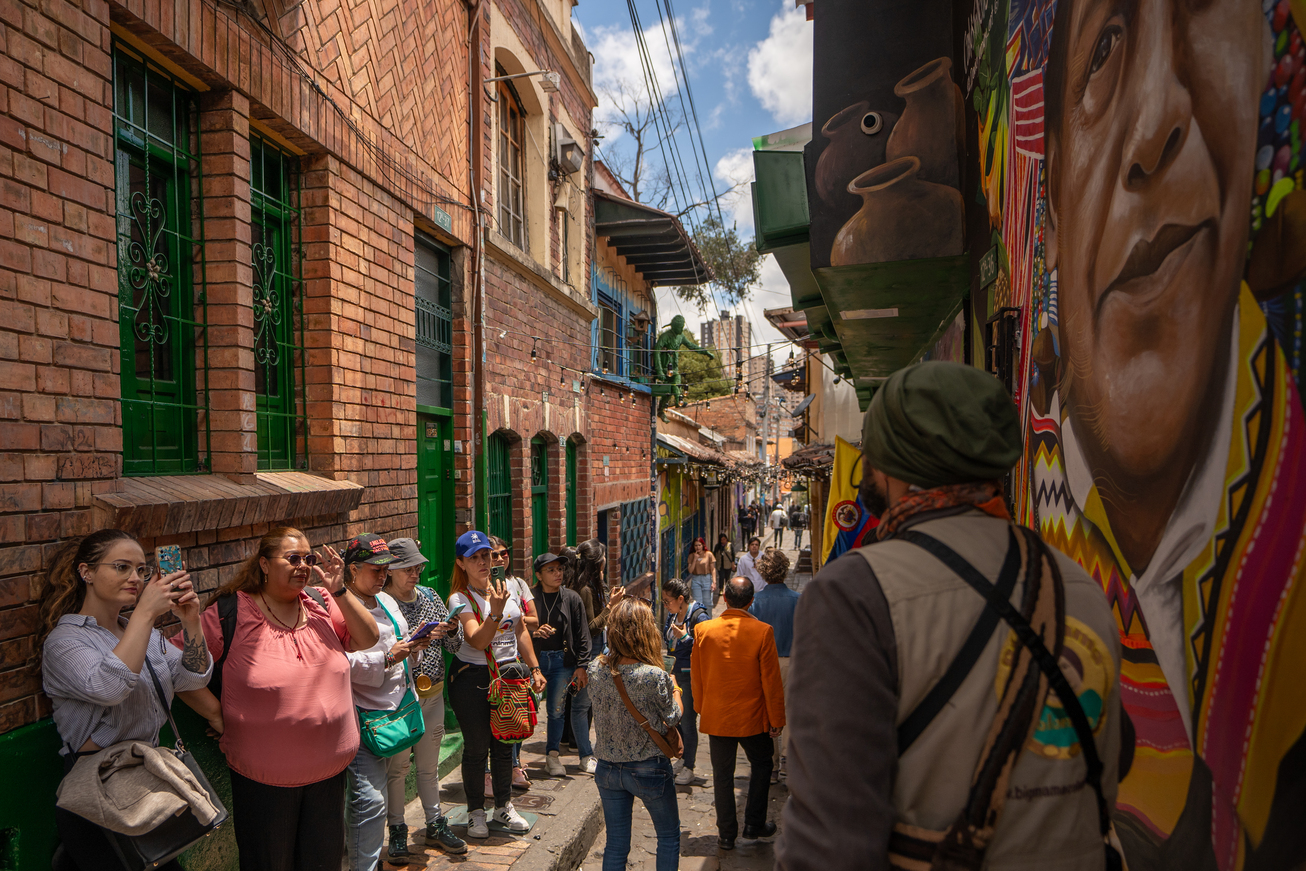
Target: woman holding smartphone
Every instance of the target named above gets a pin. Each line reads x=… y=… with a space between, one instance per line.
x=501 y=559
x=492 y=625
x=96 y=664
x=421 y=607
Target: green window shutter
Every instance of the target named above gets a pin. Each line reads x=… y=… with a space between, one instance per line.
x=539 y=496
x=433 y=300
x=500 y=487
x=278 y=306
x=157 y=166
x=571 y=494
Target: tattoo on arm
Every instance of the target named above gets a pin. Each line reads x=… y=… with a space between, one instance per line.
x=195 y=653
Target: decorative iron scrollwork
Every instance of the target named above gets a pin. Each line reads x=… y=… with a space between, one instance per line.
x=267 y=306
x=148 y=270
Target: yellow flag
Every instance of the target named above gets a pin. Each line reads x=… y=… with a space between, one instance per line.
x=842 y=510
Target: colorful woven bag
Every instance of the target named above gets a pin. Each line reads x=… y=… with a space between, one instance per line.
x=512 y=705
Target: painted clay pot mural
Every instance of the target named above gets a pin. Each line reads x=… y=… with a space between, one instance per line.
x=932 y=127
x=858 y=137
x=903 y=217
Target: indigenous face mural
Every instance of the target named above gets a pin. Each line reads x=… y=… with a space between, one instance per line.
x=1140 y=165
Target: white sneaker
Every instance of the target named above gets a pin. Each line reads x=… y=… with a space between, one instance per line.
x=588 y=764
x=676 y=765
x=476 y=827
x=554 y=765
x=508 y=816
x=685 y=776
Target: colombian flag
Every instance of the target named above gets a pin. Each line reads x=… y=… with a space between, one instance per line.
x=847 y=524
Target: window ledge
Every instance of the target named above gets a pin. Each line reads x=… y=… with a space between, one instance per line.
x=174 y=504
x=523 y=264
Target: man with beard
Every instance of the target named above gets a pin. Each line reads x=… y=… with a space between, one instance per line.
x=904 y=652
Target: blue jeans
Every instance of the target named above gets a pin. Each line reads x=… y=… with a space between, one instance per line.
x=650 y=779
x=365 y=810
x=688 y=724
x=559 y=674
x=701 y=588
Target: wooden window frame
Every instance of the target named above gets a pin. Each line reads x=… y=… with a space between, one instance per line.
x=512 y=165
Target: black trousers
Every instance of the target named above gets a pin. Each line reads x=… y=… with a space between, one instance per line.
x=289 y=828
x=86 y=846
x=758 y=749
x=469 y=694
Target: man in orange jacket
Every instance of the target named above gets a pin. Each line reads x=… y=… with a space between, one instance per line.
x=735 y=676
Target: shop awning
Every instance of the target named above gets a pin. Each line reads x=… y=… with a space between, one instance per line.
x=686 y=449
x=649 y=239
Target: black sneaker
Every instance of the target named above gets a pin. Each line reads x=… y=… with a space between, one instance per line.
x=398 y=852
x=438 y=835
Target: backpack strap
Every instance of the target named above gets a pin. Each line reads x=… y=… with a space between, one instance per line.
x=315 y=593
x=227 y=607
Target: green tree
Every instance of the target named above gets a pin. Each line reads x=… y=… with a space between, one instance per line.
x=736 y=266
x=703 y=377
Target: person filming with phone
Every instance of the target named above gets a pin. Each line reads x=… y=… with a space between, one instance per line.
x=495 y=646
x=99 y=668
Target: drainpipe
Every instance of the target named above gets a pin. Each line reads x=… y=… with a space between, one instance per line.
x=475 y=171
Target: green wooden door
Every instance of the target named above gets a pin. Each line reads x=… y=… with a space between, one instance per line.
x=539 y=496
x=435 y=519
x=571 y=494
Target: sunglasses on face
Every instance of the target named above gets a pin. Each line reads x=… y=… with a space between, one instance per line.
x=499 y=554
x=308 y=559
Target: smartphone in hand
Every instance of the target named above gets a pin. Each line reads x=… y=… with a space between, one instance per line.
x=168 y=558
x=499 y=573
x=426 y=630
x=457 y=609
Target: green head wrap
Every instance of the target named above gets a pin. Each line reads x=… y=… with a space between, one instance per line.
x=939 y=423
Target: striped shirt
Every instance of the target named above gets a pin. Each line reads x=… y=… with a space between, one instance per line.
x=96 y=696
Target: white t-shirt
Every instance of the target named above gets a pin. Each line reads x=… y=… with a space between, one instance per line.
x=377 y=688
x=504 y=644
x=748 y=569
x=523 y=590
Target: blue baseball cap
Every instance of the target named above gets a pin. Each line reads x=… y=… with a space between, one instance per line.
x=471 y=542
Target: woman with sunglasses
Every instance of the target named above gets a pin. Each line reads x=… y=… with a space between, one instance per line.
x=286 y=713
x=94 y=660
x=491 y=617
x=501 y=556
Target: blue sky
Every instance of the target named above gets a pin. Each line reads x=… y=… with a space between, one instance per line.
x=750 y=71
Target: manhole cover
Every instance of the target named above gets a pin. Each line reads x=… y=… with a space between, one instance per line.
x=534 y=802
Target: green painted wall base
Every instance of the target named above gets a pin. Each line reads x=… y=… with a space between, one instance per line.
x=32 y=769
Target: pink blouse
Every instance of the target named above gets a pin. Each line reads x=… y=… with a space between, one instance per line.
x=287 y=705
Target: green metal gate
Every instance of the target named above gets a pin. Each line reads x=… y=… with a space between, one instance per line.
x=539 y=496
x=571 y=494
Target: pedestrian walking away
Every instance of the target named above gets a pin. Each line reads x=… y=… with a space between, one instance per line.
x=702 y=571
x=748 y=564
x=281 y=698
x=774 y=605
x=946 y=651
x=96 y=665
x=421 y=606
x=631 y=763
x=798 y=522
x=726 y=563
x=684 y=613
x=491 y=617
x=562 y=643
x=777 y=523
x=739 y=697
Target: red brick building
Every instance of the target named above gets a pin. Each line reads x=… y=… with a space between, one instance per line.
x=244 y=282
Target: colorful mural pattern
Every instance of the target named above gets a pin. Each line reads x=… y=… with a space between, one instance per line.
x=1212 y=618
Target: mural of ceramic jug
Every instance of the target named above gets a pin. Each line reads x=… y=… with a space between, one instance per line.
x=857 y=138
x=932 y=126
x=903 y=217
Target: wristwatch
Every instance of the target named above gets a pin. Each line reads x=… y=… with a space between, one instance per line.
x=340 y=592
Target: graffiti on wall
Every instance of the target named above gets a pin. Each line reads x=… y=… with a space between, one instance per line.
x=1141 y=169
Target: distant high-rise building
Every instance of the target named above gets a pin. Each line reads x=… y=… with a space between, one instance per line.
x=730 y=335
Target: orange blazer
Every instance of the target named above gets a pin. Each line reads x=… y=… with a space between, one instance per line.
x=735 y=676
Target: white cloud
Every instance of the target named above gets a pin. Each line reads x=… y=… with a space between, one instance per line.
x=735 y=170
x=780 y=67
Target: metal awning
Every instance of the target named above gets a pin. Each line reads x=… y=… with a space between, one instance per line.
x=649 y=239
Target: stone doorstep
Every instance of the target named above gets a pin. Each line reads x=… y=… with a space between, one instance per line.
x=564 y=833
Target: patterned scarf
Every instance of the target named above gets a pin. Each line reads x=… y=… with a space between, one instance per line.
x=984 y=495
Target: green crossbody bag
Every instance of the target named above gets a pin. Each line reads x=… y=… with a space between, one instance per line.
x=385 y=733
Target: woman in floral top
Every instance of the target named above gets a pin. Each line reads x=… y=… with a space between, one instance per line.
x=419 y=606
x=630 y=764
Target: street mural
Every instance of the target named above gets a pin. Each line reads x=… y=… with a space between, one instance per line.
x=1140 y=166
